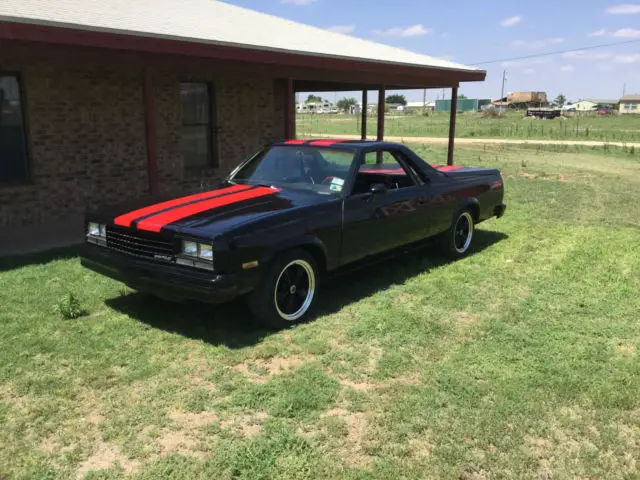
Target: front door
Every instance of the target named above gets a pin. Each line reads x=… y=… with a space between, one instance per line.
x=377 y=222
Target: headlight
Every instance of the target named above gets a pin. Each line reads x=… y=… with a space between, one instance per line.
x=198 y=250
x=97 y=230
x=205 y=251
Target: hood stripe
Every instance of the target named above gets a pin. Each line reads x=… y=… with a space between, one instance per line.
x=127 y=219
x=155 y=223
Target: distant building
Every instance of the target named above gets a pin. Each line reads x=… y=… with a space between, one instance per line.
x=527 y=98
x=630 y=104
x=591 y=104
x=430 y=106
x=464 y=105
x=316 y=107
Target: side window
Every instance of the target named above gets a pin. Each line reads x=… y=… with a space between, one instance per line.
x=198 y=140
x=13 y=140
x=382 y=167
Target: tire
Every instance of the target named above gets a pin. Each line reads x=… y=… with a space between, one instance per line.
x=458 y=239
x=287 y=292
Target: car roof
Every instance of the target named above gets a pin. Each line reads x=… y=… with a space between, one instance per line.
x=337 y=143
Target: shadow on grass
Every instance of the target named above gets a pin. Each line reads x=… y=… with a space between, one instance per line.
x=39 y=258
x=232 y=324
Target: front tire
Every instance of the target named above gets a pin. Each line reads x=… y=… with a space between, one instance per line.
x=287 y=292
x=459 y=237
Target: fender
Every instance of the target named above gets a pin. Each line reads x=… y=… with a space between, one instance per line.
x=305 y=240
x=468 y=202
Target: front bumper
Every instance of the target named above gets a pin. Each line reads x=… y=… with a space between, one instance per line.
x=169 y=281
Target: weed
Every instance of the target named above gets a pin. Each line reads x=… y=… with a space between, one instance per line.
x=70 y=307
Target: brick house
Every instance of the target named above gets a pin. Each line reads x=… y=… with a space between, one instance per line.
x=105 y=100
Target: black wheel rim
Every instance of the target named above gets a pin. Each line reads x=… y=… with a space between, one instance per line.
x=462 y=233
x=294 y=290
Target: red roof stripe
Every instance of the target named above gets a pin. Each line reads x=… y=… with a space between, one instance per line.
x=295 y=142
x=325 y=143
x=450 y=168
x=156 y=222
x=128 y=218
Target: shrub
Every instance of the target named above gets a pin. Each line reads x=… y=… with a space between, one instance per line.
x=69 y=307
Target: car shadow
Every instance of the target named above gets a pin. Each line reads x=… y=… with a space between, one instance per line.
x=233 y=326
x=18 y=261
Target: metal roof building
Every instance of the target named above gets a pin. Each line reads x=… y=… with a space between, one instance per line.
x=104 y=99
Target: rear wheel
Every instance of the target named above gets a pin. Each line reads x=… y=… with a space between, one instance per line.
x=287 y=292
x=459 y=237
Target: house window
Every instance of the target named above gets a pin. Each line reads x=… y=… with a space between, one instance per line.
x=13 y=139
x=198 y=140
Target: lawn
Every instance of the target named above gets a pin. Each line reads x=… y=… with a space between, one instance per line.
x=519 y=361
x=472 y=125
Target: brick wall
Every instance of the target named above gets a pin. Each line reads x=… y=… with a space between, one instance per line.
x=87 y=134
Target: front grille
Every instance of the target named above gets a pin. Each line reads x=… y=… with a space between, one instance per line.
x=138 y=243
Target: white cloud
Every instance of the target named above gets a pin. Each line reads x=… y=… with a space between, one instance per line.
x=620 y=33
x=511 y=21
x=536 y=44
x=567 y=68
x=587 y=55
x=298 y=2
x=624 y=9
x=529 y=71
x=413 y=31
x=342 y=29
x=632 y=58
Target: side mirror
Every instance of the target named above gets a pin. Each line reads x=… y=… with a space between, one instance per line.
x=378 y=188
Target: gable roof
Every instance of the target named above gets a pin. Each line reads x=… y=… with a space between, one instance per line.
x=631 y=98
x=599 y=101
x=214 y=23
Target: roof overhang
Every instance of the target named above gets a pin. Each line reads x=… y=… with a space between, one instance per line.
x=312 y=72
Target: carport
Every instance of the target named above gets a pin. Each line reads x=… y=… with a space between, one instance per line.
x=96 y=98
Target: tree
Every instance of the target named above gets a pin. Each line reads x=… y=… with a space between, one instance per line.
x=462 y=97
x=345 y=104
x=313 y=99
x=397 y=99
x=560 y=100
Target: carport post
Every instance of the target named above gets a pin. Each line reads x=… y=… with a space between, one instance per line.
x=452 y=124
x=381 y=93
x=150 y=132
x=289 y=119
x=364 y=115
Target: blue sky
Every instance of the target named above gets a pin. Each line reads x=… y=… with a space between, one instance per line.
x=472 y=31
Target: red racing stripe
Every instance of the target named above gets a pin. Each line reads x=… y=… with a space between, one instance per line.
x=325 y=143
x=395 y=171
x=156 y=222
x=295 y=142
x=128 y=218
x=450 y=168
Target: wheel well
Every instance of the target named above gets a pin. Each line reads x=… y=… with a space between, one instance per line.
x=475 y=211
x=317 y=254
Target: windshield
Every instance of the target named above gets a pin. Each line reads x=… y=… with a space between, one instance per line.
x=318 y=170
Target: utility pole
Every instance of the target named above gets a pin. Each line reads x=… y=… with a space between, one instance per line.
x=624 y=89
x=424 y=101
x=504 y=80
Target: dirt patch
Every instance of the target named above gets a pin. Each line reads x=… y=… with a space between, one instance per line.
x=464 y=319
x=353 y=450
x=539 y=446
x=420 y=447
x=359 y=386
x=260 y=370
x=247 y=425
x=179 y=442
x=625 y=349
x=105 y=457
x=193 y=420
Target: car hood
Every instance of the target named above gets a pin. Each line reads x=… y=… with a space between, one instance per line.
x=208 y=213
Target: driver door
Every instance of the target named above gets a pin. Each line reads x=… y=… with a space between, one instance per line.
x=377 y=222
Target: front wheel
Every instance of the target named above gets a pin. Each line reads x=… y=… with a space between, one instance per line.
x=458 y=238
x=287 y=292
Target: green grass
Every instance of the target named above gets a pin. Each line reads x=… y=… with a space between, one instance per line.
x=519 y=361
x=622 y=128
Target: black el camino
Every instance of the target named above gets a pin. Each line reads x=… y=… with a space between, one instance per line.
x=285 y=218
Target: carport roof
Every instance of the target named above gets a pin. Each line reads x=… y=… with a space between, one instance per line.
x=211 y=23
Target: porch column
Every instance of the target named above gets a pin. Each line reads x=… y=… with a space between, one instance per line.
x=452 y=124
x=364 y=115
x=289 y=119
x=381 y=93
x=150 y=132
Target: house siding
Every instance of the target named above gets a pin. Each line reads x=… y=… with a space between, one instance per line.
x=86 y=133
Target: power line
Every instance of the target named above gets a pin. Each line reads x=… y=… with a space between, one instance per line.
x=557 y=52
